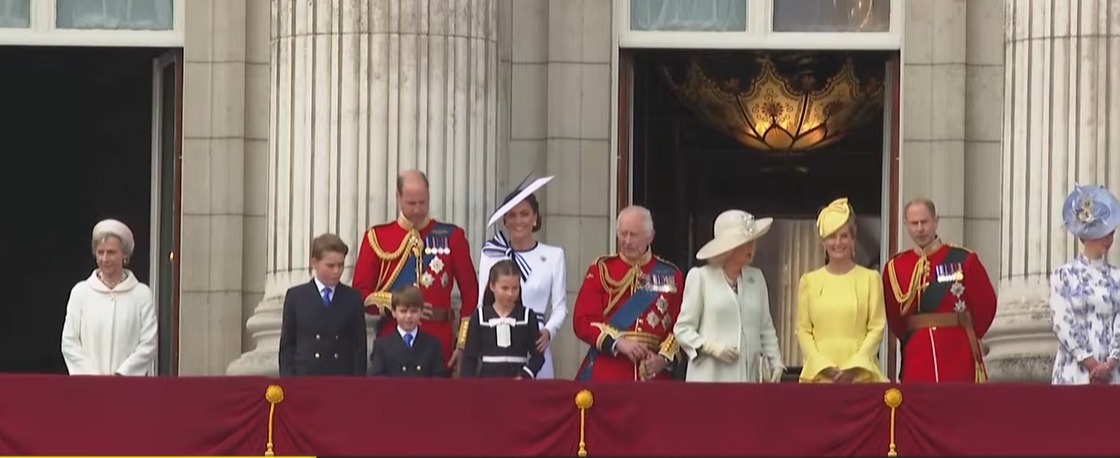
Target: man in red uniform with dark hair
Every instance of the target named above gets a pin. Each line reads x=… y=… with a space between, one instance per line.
x=627 y=306
x=416 y=250
x=940 y=302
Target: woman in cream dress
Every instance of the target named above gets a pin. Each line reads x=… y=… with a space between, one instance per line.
x=840 y=314
x=111 y=321
x=725 y=326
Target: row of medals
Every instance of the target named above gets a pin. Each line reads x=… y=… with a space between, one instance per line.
x=659 y=283
x=442 y=246
x=954 y=273
x=435 y=247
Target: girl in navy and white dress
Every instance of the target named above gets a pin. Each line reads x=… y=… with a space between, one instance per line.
x=502 y=335
x=542 y=266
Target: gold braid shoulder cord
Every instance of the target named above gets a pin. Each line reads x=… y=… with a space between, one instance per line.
x=905 y=301
x=617 y=288
x=412 y=242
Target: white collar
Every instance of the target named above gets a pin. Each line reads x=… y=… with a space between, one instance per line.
x=409 y=333
x=321 y=286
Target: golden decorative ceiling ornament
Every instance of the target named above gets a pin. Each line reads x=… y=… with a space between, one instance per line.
x=773 y=115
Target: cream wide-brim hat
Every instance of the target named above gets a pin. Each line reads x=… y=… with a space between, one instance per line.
x=733 y=228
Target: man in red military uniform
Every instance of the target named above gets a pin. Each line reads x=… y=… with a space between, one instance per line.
x=627 y=306
x=419 y=251
x=940 y=302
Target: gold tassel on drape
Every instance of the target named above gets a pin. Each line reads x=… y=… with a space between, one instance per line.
x=893 y=399
x=274 y=395
x=584 y=400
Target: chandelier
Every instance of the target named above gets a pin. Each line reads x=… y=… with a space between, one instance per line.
x=774 y=115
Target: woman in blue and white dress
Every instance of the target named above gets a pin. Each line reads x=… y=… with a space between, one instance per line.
x=1085 y=293
x=542 y=266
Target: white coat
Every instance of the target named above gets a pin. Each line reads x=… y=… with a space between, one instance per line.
x=110 y=332
x=712 y=312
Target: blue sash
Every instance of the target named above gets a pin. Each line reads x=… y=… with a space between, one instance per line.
x=439 y=238
x=627 y=314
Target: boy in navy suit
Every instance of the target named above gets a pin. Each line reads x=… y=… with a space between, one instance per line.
x=407 y=352
x=324 y=327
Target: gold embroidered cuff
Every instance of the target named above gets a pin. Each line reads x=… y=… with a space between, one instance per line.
x=607 y=336
x=383 y=301
x=669 y=348
x=461 y=341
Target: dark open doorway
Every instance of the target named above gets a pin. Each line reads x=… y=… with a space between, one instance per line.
x=687 y=172
x=688 y=169
x=77 y=127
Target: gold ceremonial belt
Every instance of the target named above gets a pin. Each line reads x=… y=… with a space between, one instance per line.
x=653 y=341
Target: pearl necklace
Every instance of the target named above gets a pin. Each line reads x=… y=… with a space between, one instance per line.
x=113 y=284
x=732 y=282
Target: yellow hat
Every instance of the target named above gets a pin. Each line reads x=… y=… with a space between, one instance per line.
x=833 y=217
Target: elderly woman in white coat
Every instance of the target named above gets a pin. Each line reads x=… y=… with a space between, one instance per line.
x=111 y=322
x=725 y=326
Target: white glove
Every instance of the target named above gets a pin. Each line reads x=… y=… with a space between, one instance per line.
x=776 y=374
x=720 y=352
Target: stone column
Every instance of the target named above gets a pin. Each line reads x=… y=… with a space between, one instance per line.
x=1061 y=126
x=361 y=89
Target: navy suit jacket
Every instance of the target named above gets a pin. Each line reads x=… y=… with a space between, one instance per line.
x=392 y=358
x=317 y=339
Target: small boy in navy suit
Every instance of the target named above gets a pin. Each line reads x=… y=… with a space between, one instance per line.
x=324 y=326
x=407 y=352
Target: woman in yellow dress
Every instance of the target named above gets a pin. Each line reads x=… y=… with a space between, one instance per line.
x=840 y=314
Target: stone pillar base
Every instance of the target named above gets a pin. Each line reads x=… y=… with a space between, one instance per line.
x=1020 y=346
x=264 y=328
x=1021 y=368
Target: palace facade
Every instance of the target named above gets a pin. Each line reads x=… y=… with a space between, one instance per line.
x=294 y=118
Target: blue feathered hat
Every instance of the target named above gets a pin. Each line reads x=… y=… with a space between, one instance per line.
x=1090 y=212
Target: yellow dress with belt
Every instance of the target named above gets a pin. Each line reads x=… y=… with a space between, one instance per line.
x=840 y=322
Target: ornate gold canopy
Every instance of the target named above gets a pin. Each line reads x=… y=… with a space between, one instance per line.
x=774 y=115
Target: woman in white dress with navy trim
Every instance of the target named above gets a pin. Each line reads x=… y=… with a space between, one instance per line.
x=542 y=266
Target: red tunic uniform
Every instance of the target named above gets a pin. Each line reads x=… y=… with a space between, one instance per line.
x=939 y=305
x=620 y=300
x=433 y=258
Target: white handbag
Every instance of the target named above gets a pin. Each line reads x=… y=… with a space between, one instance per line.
x=763 y=369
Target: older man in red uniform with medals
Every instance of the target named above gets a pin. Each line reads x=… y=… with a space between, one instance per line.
x=627 y=306
x=419 y=251
x=940 y=302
